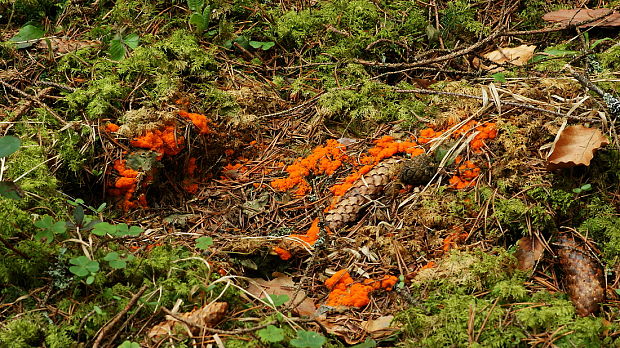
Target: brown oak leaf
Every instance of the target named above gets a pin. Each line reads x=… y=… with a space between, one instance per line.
x=575 y=146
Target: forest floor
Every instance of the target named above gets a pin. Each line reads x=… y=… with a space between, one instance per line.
x=309 y=174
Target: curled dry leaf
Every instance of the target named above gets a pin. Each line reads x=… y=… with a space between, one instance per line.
x=62 y=45
x=207 y=316
x=283 y=285
x=513 y=55
x=578 y=15
x=380 y=327
x=575 y=146
x=529 y=252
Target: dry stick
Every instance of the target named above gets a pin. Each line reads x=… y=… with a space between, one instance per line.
x=34 y=99
x=452 y=55
x=218 y=331
x=553 y=29
x=118 y=317
x=521 y=105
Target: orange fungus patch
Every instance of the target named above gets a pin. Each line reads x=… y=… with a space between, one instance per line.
x=200 y=121
x=283 y=253
x=111 y=127
x=164 y=141
x=310 y=237
x=346 y=292
x=467 y=173
x=323 y=160
x=125 y=186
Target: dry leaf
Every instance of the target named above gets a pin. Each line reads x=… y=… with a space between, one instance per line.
x=62 y=46
x=207 y=316
x=345 y=327
x=574 y=16
x=283 y=285
x=380 y=327
x=575 y=146
x=514 y=55
x=528 y=253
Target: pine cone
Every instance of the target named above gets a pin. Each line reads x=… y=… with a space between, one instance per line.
x=419 y=170
x=370 y=186
x=584 y=276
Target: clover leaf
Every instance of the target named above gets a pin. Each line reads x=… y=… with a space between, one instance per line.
x=308 y=339
x=204 y=242
x=271 y=334
x=277 y=300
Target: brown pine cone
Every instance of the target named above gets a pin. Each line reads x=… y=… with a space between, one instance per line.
x=418 y=171
x=584 y=280
x=370 y=186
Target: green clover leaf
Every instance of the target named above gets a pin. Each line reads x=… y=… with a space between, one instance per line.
x=308 y=339
x=271 y=334
x=83 y=266
x=277 y=300
x=204 y=242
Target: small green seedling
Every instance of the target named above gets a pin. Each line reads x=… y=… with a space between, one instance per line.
x=119 y=45
x=201 y=15
x=262 y=45
x=8 y=146
x=271 y=334
x=118 y=230
x=204 y=243
x=116 y=261
x=275 y=300
x=49 y=228
x=308 y=339
x=583 y=188
x=27 y=36
x=84 y=267
x=129 y=344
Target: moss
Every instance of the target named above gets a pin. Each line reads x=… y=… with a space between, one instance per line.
x=373 y=101
x=458 y=19
x=513 y=212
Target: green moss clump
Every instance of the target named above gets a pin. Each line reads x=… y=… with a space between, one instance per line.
x=374 y=102
x=33 y=330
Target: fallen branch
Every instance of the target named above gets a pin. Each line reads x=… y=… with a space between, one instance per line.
x=110 y=325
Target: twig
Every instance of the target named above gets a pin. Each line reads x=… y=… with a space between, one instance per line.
x=8 y=245
x=452 y=55
x=104 y=330
x=521 y=105
x=553 y=29
x=218 y=331
x=34 y=99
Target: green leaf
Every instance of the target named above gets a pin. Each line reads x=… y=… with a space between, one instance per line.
x=267 y=45
x=271 y=334
x=134 y=231
x=116 y=50
x=103 y=228
x=499 y=77
x=8 y=145
x=586 y=187
x=44 y=234
x=195 y=5
x=308 y=339
x=277 y=300
x=204 y=243
x=256 y=44
x=112 y=256
x=132 y=41
x=560 y=52
x=118 y=264
x=98 y=310
x=577 y=190
x=78 y=215
x=369 y=343
x=44 y=222
x=199 y=21
x=129 y=344
x=27 y=33
x=90 y=280
x=10 y=190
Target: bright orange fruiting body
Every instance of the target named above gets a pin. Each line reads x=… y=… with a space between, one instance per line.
x=346 y=292
x=200 y=121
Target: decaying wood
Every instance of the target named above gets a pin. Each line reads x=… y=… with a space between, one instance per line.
x=367 y=188
x=584 y=279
